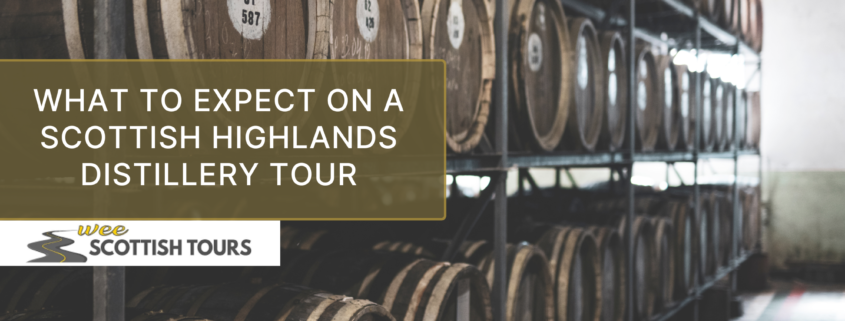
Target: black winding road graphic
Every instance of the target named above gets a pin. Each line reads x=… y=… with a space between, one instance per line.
x=51 y=248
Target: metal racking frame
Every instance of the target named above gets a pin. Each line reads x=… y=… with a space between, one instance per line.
x=109 y=281
x=497 y=163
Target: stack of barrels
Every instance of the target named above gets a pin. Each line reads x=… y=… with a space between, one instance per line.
x=568 y=85
x=721 y=101
x=743 y=17
x=566 y=272
x=45 y=293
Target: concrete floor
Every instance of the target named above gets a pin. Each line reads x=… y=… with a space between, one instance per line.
x=795 y=301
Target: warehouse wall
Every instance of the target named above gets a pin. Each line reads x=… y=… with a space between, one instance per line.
x=803 y=145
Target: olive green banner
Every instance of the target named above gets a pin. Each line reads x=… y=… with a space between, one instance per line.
x=222 y=139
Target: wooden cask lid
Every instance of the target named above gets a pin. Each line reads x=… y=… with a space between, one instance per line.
x=375 y=29
x=703 y=241
x=726 y=227
x=714 y=231
x=754 y=120
x=232 y=29
x=664 y=273
x=614 y=92
x=708 y=118
x=742 y=117
x=461 y=33
x=647 y=106
x=686 y=106
x=579 y=277
x=644 y=249
x=718 y=121
x=735 y=26
x=587 y=112
x=728 y=104
x=726 y=11
x=669 y=99
x=684 y=243
x=613 y=284
x=539 y=45
x=756 y=20
x=744 y=23
x=378 y=29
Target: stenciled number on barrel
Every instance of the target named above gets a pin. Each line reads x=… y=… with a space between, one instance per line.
x=455 y=23
x=367 y=14
x=250 y=17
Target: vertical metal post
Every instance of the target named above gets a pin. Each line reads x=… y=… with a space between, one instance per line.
x=109 y=43
x=737 y=218
x=109 y=294
x=632 y=145
x=696 y=149
x=500 y=88
x=557 y=177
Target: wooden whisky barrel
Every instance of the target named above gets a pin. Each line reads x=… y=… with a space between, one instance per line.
x=684 y=245
x=709 y=9
x=728 y=118
x=751 y=217
x=52 y=29
x=461 y=33
x=379 y=29
x=718 y=121
x=260 y=29
x=576 y=268
x=411 y=292
x=708 y=117
x=539 y=69
x=475 y=251
x=132 y=315
x=714 y=229
x=670 y=101
x=38 y=288
x=733 y=23
x=530 y=294
x=612 y=254
x=587 y=112
x=404 y=284
x=406 y=248
x=726 y=212
x=686 y=102
x=752 y=23
x=727 y=14
x=239 y=301
x=754 y=120
x=664 y=257
x=615 y=90
x=742 y=117
x=643 y=273
x=648 y=109
x=704 y=248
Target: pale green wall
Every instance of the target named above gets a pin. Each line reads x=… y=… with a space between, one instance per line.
x=805 y=217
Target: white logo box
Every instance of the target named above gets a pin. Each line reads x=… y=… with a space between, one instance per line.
x=140 y=243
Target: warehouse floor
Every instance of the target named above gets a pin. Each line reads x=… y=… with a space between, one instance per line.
x=795 y=301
